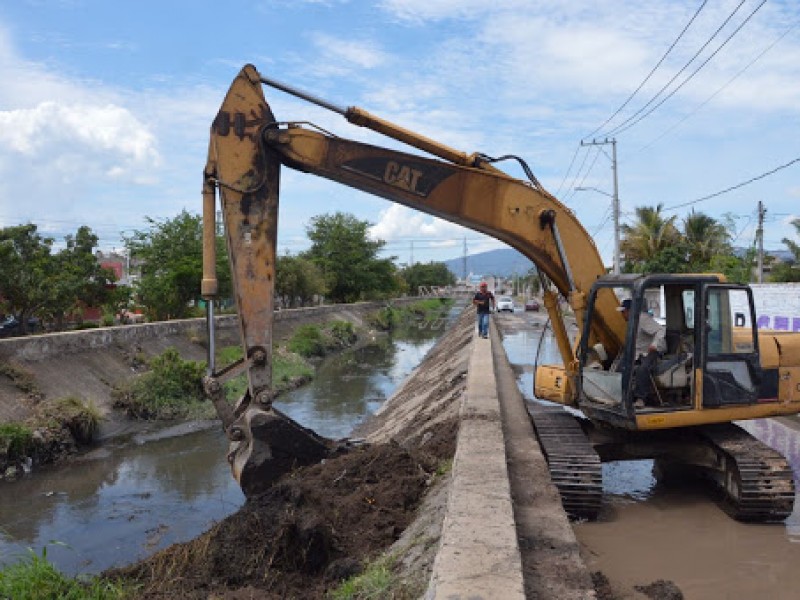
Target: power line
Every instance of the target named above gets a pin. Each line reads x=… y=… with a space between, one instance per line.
x=569 y=168
x=650 y=74
x=712 y=96
x=574 y=184
x=735 y=187
x=624 y=127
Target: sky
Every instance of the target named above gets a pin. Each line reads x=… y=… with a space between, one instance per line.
x=105 y=107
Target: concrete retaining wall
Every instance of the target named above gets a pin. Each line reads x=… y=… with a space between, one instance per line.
x=42 y=347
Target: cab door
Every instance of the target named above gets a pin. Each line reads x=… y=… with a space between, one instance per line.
x=604 y=377
x=731 y=370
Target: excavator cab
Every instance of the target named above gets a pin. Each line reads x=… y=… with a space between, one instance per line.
x=707 y=355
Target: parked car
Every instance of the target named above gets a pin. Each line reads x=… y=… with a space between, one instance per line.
x=505 y=304
x=532 y=305
x=11 y=326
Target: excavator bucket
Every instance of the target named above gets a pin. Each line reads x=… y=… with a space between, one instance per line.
x=266 y=444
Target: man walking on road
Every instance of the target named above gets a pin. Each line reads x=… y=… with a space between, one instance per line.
x=484 y=301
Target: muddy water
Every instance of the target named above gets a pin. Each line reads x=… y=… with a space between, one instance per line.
x=648 y=532
x=119 y=504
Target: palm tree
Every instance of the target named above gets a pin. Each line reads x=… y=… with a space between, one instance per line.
x=788 y=271
x=794 y=248
x=706 y=237
x=650 y=235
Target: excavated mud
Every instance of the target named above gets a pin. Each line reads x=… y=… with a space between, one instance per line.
x=300 y=539
x=319 y=525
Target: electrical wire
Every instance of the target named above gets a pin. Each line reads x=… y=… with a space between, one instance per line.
x=571 y=189
x=653 y=70
x=691 y=76
x=712 y=96
x=735 y=187
x=569 y=169
x=588 y=171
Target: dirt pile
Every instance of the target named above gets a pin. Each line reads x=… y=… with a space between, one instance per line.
x=302 y=537
x=319 y=525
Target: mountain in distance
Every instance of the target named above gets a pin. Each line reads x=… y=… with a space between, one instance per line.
x=504 y=262
x=507 y=262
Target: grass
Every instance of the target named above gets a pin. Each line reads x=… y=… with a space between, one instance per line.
x=287 y=368
x=81 y=417
x=15 y=440
x=444 y=467
x=374 y=583
x=172 y=389
x=22 y=379
x=378 y=581
x=428 y=309
x=312 y=340
x=307 y=341
x=34 y=577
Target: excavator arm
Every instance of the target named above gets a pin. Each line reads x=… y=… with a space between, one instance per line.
x=247 y=147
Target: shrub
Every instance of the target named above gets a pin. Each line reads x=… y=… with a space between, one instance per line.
x=342 y=332
x=171 y=389
x=15 y=440
x=307 y=341
x=82 y=418
x=384 y=319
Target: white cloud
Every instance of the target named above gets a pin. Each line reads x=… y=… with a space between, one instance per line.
x=417 y=11
x=398 y=222
x=357 y=53
x=110 y=133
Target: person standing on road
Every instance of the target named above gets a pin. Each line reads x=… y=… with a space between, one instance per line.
x=484 y=301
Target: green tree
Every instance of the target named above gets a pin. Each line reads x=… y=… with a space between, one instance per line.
x=349 y=259
x=788 y=271
x=78 y=279
x=297 y=280
x=706 y=238
x=737 y=269
x=25 y=271
x=426 y=274
x=649 y=235
x=170 y=258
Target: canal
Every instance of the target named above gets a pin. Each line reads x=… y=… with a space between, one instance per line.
x=125 y=500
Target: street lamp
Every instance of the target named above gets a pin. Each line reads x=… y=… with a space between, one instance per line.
x=593 y=189
x=615 y=207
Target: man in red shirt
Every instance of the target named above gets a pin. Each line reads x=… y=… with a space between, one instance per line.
x=484 y=301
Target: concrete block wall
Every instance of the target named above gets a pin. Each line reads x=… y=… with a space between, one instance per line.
x=41 y=347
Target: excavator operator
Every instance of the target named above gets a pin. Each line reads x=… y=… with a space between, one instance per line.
x=650 y=344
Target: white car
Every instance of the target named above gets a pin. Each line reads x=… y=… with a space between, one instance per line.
x=505 y=304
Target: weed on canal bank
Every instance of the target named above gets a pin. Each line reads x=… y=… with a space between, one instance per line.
x=34 y=577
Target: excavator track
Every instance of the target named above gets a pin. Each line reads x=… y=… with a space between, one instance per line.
x=575 y=467
x=758 y=483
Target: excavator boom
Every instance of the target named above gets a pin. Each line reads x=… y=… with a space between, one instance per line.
x=712 y=372
x=247 y=147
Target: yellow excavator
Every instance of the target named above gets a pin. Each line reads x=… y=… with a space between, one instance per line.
x=716 y=367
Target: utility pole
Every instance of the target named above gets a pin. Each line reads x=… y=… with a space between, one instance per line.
x=464 y=261
x=760 y=237
x=615 y=197
x=412 y=255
